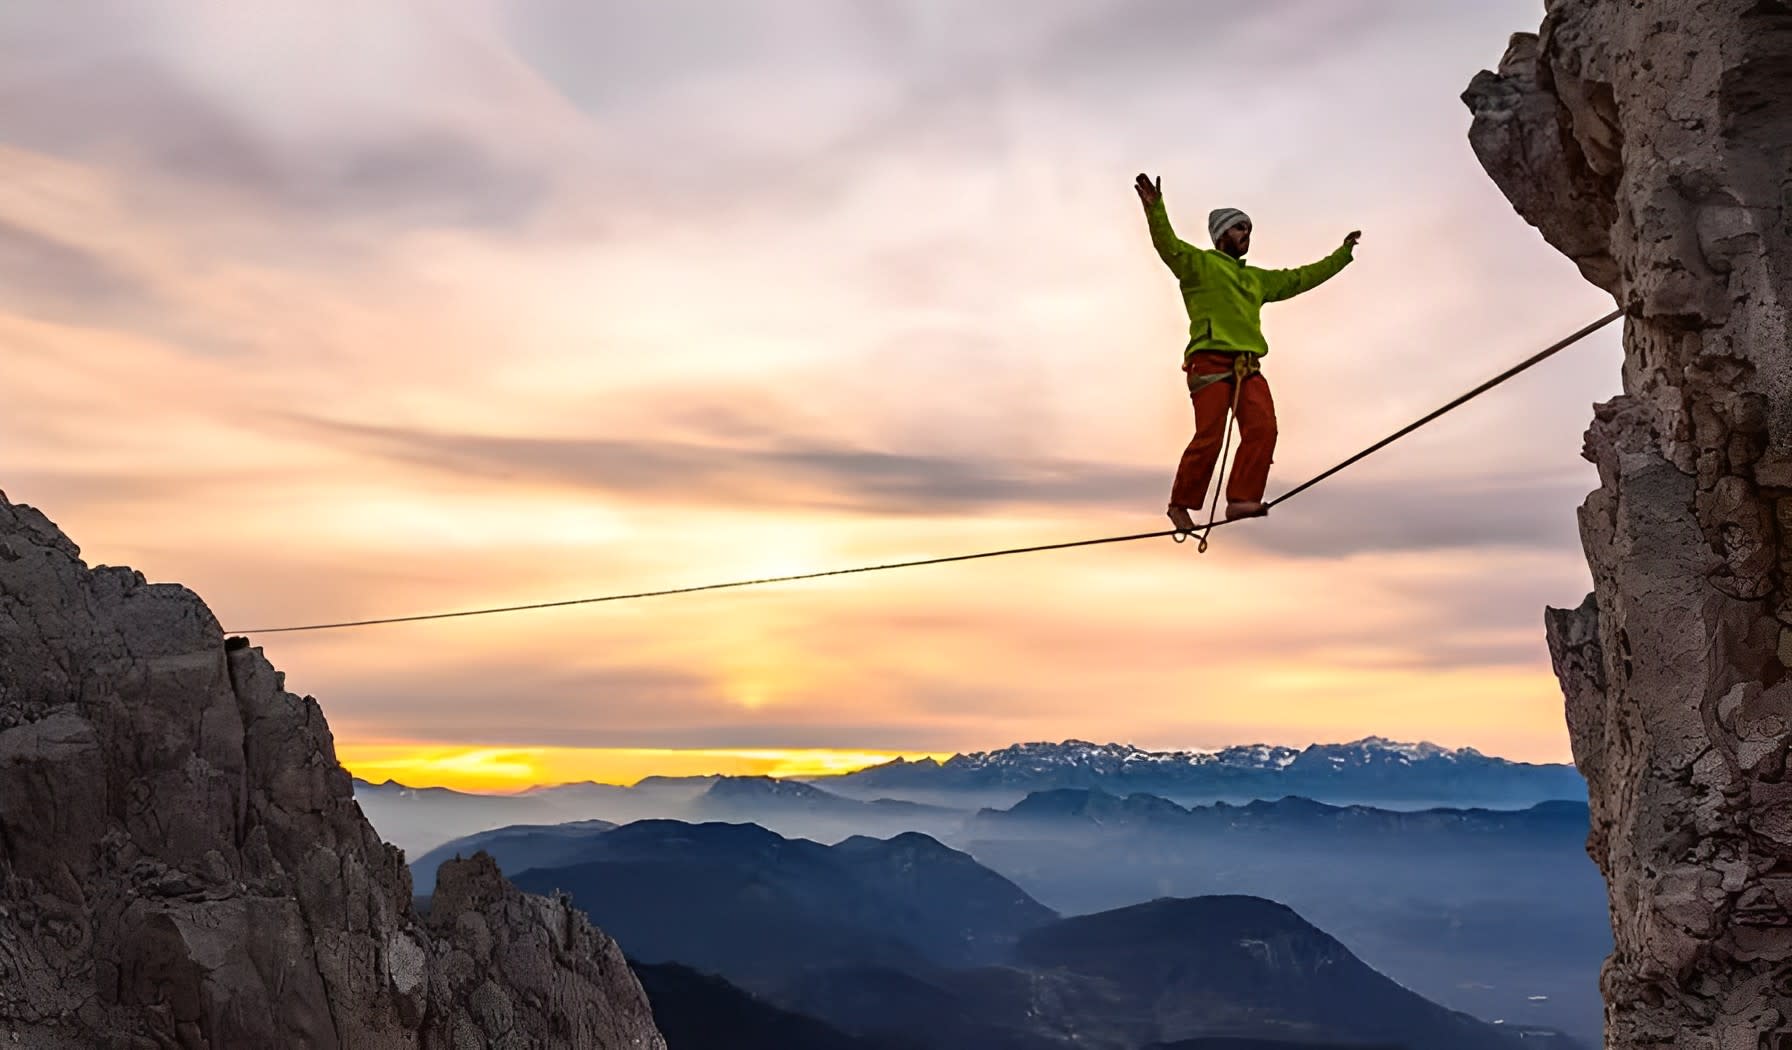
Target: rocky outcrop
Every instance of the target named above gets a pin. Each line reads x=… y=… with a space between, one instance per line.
x=1651 y=142
x=182 y=863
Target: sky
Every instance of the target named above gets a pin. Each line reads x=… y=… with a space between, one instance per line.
x=335 y=311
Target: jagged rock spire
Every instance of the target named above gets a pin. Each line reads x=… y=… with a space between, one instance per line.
x=182 y=862
x=1652 y=143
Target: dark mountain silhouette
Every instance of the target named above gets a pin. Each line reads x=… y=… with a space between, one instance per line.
x=419 y=820
x=699 y=1011
x=747 y=903
x=1173 y=969
x=911 y=942
x=934 y=797
x=989 y=1008
x=1518 y=1038
x=1229 y=1043
x=1067 y=808
x=515 y=848
x=761 y=795
x=1244 y=966
x=1498 y=913
x=962 y=910
x=792 y=807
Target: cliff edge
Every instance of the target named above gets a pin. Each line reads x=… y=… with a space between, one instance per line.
x=1652 y=144
x=182 y=863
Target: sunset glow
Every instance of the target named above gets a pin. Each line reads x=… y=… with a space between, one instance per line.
x=532 y=302
x=510 y=769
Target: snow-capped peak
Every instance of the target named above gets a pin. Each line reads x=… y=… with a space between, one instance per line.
x=1042 y=756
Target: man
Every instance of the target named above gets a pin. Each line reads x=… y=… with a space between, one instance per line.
x=1225 y=297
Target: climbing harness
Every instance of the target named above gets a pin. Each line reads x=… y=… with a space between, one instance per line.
x=1244 y=366
x=1527 y=363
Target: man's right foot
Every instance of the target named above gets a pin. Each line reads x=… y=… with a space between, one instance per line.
x=1180 y=518
x=1246 y=509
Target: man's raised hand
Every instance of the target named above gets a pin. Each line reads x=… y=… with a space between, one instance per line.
x=1150 y=192
x=1352 y=237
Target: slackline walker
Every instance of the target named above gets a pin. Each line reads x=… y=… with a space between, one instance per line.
x=1459 y=401
x=1224 y=297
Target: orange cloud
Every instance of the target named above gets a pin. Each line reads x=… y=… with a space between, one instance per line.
x=921 y=319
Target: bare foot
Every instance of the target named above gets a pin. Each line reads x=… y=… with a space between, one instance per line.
x=1179 y=517
x=1246 y=509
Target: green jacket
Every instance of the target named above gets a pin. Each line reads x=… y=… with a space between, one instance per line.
x=1225 y=296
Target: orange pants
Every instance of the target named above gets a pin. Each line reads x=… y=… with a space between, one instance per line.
x=1254 y=448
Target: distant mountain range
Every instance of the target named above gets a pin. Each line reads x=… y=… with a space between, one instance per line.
x=515 y=848
x=781 y=805
x=418 y=819
x=933 y=797
x=1494 y=911
x=1373 y=769
x=740 y=900
x=912 y=943
x=1066 y=809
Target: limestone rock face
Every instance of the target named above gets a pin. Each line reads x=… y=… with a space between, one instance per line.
x=1651 y=142
x=182 y=863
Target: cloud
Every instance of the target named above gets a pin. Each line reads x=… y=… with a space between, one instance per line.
x=788 y=107
x=42 y=276
x=559 y=315
x=1341 y=517
x=71 y=489
x=141 y=110
x=508 y=701
x=522 y=703
x=793 y=472
x=58 y=265
x=425 y=177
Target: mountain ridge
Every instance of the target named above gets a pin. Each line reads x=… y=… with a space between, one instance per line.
x=1047 y=756
x=1371 y=768
x=1214 y=965
x=912 y=941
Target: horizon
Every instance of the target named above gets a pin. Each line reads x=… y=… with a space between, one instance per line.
x=534 y=301
x=507 y=772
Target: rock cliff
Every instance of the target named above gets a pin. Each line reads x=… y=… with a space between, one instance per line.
x=182 y=863
x=1651 y=142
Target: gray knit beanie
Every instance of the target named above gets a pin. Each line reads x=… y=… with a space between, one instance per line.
x=1222 y=219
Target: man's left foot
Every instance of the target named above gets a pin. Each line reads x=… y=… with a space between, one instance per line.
x=1180 y=518
x=1246 y=509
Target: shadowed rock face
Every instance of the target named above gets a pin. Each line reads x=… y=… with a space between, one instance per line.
x=1652 y=143
x=182 y=863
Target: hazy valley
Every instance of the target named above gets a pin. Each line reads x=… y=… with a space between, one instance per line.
x=784 y=888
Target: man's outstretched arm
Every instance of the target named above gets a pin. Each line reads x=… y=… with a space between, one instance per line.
x=1286 y=284
x=1180 y=256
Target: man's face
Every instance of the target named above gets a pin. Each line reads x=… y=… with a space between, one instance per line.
x=1237 y=239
